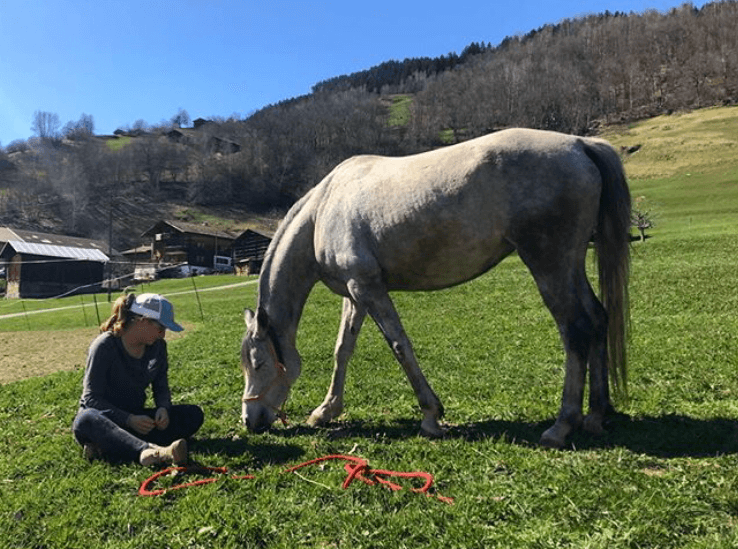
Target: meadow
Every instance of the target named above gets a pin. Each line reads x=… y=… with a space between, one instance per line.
x=664 y=475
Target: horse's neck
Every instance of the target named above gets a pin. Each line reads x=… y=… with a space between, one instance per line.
x=288 y=275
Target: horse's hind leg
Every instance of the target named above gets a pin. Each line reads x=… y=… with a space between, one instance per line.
x=351 y=320
x=566 y=293
x=599 y=389
x=380 y=307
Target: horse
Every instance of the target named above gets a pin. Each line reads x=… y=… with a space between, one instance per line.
x=432 y=220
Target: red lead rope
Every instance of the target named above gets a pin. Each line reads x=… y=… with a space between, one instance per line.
x=145 y=489
x=357 y=469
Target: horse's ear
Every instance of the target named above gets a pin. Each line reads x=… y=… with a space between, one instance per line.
x=262 y=323
x=257 y=323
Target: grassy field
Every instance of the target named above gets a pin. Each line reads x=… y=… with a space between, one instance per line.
x=666 y=476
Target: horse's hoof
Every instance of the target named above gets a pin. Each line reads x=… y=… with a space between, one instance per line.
x=552 y=443
x=319 y=419
x=315 y=421
x=432 y=429
x=324 y=414
x=593 y=425
x=549 y=439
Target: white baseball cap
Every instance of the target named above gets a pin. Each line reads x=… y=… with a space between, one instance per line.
x=156 y=307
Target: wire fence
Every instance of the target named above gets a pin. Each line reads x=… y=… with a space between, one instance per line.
x=90 y=310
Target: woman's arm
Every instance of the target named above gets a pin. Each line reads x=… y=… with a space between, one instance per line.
x=160 y=382
x=101 y=358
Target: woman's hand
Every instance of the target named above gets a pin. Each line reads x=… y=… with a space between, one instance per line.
x=141 y=424
x=161 y=419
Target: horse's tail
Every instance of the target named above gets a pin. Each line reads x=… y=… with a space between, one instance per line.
x=612 y=246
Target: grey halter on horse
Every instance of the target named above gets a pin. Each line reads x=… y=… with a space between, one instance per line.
x=437 y=219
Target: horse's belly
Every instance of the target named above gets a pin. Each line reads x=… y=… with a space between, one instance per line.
x=438 y=263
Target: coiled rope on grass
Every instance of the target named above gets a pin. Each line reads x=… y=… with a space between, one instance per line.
x=356 y=468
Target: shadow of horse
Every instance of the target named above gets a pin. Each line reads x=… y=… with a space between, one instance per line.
x=667 y=436
x=255 y=452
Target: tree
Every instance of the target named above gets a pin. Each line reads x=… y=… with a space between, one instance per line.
x=46 y=125
x=140 y=126
x=81 y=129
x=643 y=216
x=151 y=155
x=181 y=118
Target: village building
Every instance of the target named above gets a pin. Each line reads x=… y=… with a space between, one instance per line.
x=42 y=265
x=248 y=251
x=191 y=244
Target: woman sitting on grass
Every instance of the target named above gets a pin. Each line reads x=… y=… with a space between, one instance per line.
x=129 y=355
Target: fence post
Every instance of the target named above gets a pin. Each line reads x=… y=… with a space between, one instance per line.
x=84 y=312
x=25 y=314
x=97 y=311
x=197 y=295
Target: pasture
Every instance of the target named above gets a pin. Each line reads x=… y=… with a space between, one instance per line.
x=665 y=476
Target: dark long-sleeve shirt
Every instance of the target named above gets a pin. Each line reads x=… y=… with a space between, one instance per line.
x=116 y=381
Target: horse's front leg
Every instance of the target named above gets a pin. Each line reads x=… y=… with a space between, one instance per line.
x=383 y=311
x=351 y=320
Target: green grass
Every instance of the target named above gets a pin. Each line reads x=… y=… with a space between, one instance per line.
x=119 y=143
x=399 y=114
x=664 y=477
x=447 y=136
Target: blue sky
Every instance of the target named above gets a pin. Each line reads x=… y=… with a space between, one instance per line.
x=125 y=60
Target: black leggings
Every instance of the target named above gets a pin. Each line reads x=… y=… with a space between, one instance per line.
x=92 y=426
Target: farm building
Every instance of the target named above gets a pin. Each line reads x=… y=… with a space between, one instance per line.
x=213 y=143
x=178 y=242
x=248 y=251
x=138 y=255
x=40 y=265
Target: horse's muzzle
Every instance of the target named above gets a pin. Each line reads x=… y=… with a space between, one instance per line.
x=257 y=418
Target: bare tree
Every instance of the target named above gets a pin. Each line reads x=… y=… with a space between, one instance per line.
x=182 y=118
x=150 y=155
x=46 y=125
x=81 y=129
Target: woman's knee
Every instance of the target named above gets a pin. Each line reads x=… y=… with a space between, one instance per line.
x=85 y=424
x=189 y=417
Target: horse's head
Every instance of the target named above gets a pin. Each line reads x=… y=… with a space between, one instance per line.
x=266 y=384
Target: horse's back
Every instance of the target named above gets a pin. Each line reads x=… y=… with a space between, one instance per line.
x=439 y=218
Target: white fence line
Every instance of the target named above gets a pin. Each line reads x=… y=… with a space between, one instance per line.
x=79 y=306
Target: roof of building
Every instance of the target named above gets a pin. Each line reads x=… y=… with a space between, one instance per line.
x=185 y=227
x=36 y=237
x=52 y=250
x=6 y=233
x=145 y=249
x=265 y=234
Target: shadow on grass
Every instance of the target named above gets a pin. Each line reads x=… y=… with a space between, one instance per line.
x=666 y=436
x=256 y=450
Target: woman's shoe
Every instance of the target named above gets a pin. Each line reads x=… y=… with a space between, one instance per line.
x=175 y=453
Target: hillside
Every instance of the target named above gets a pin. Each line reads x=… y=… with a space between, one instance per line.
x=576 y=76
x=686 y=169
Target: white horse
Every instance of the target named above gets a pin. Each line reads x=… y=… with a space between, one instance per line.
x=437 y=219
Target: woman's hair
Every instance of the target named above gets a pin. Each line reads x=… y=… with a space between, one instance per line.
x=121 y=316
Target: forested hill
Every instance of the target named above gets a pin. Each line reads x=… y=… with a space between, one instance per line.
x=396 y=75
x=571 y=76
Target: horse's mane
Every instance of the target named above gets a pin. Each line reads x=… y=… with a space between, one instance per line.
x=282 y=228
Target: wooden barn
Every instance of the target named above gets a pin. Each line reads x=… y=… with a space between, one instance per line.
x=248 y=251
x=41 y=265
x=178 y=242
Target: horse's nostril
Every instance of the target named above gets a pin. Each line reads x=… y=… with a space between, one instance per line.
x=256 y=421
